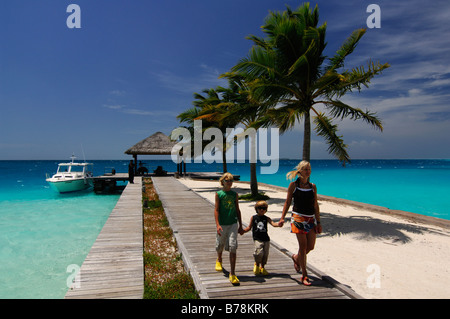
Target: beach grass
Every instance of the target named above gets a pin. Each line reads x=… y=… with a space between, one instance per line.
x=250 y=197
x=165 y=276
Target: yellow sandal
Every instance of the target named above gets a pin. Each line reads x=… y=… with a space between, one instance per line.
x=218 y=265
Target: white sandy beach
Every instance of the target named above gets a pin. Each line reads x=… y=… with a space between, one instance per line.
x=375 y=254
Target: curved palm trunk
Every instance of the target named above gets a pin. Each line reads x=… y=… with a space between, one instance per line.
x=307 y=138
x=224 y=155
x=224 y=165
x=253 y=181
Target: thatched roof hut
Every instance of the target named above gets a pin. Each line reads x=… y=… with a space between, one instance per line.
x=157 y=144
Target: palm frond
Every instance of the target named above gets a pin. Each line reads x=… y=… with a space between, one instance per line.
x=302 y=63
x=189 y=115
x=347 y=48
x=270 y=92
x=283 y=117
x=259 y=41
x=357 y=78
x=338 y=109
x=326 y=83
x=325 y=128
x=259 y=63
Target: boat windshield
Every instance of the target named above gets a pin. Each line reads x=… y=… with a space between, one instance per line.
x=70 y=168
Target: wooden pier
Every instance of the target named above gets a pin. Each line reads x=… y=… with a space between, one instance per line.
x=114 y=267
x=192 y=221
x=209 y=175
x=107 y=183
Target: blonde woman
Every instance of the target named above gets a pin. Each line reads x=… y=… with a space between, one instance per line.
x=305 y=220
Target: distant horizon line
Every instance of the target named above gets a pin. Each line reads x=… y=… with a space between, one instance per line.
x=281 y=159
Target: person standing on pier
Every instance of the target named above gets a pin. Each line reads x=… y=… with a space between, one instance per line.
x=131 y=172
x=228 y=224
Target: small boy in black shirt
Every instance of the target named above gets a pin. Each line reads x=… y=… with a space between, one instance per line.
x=258 y=225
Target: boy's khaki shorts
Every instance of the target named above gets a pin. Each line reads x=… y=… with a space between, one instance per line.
x=228 y=239
x=261 y=252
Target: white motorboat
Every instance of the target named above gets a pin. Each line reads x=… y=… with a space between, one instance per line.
x=71 y=177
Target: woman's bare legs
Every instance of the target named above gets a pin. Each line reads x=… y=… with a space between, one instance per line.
x=306 y=243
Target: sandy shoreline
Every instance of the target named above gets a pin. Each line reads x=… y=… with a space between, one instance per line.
x=376 y=252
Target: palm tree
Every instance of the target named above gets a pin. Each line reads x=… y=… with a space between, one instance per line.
x=208 y=108
x=225 y=107
x=189 y=117
x=241 y=109
x=286 y=73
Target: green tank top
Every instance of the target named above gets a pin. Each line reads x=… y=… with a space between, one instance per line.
x=227 y=207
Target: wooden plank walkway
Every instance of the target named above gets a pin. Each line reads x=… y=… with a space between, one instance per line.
x=114 y=267
x=191 y=218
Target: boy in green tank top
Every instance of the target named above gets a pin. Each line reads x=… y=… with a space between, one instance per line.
x=228 y=224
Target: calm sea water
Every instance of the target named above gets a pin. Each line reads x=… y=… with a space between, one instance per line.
x=418 y=186
x=42 y=233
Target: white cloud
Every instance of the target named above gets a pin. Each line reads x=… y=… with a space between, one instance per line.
x=118 y=92
x=207 y=77
x=113 y=107
x=149 y=113
x=143 y=112
x=414 y=92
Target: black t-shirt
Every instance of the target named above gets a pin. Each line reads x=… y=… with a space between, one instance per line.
x=259 y=228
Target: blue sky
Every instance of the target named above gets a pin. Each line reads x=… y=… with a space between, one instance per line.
x=133 y=66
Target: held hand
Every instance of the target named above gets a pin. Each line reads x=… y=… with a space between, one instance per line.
x=281 y=223
x=318 y=229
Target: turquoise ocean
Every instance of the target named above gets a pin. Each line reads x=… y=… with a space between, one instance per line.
x=44 y=236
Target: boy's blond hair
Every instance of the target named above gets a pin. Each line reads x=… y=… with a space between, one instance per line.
x=226 y=176
x=261 y=203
